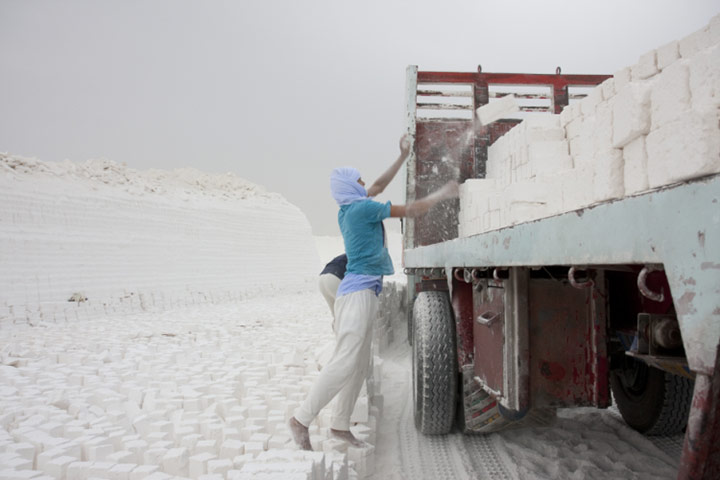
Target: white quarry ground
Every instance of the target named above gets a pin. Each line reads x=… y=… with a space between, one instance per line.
x=205 y=392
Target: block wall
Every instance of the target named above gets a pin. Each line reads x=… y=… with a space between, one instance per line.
x=71 y=249
x=653 y=124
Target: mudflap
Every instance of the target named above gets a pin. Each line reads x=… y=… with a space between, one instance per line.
x=480 y=412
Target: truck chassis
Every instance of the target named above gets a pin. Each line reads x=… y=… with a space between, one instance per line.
x=511 y=324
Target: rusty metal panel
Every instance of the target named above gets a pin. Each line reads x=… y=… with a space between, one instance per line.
x=442 y=153
x=462 y=303
x=701 y=451
x=489 y=333
x=565 y=338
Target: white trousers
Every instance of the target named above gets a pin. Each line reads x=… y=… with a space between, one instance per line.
x=344 y=374
x=328 y=285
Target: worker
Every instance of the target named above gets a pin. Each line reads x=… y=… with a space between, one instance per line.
x=330 y=279
x=356 y=305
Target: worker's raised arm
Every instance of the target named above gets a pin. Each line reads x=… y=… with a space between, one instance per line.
x=379 y=186
x=421 y=207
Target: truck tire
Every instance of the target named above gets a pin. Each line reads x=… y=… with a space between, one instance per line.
x=434 y=364
x=651 y=401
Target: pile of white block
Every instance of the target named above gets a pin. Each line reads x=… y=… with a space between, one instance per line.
x=77 y=242
x=653 y=124
x=201 y=394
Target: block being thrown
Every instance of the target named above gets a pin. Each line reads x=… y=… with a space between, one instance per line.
x=500 y=108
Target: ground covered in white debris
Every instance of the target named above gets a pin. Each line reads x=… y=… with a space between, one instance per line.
x=189 y=392
x=205 y=391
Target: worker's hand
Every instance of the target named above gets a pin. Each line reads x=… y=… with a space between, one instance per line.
x=405 y=145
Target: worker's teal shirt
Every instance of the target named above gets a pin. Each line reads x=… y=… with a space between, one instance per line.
x=362 y=231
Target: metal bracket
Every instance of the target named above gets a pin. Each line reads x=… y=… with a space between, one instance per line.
x=488 y=318
x=642 y=285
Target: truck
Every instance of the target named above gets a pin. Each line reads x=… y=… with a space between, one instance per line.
x=616 y=300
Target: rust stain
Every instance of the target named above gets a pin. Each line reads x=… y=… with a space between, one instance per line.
x=709 y=265
x=553 y=371
x=716 y=311
x=701 y=239
x=684 y=303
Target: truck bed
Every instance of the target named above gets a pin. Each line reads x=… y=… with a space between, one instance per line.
x=677 y=226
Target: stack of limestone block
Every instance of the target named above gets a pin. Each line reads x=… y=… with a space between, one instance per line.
x=653 y=124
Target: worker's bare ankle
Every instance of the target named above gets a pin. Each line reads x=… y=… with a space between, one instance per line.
x=300 y=434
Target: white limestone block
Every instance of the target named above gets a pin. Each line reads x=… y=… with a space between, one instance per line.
x=219 y=466
x=670 y=94
x=589 y=103
x=122 y=471
x=603 y=129
x=667 y=54
x=22 y=449
x=646 y=66
x=280 y=440
x=544 y=134
x=577 y=189
x=250 y=430
x=57 y=467
x=12 y=474
x=608 y=88
x=232 y=448
x=335 y=445
x=142 y=471
x=137 y=447
x=364 y=459
x=631 y=114
x=685 y=149
x=175 y=461
x=622 y=78
x=78 y=470
x=100 y=469
x=635 y=173
x=160 y=476
x=495 y=110
x=608 y=181
x=547 y=149
x=45 y=457
x=212 y=476
x=197 y=464
x=317 y=441
x=123 y=456
x=574 y=128
x=154 y=456
x=539 y=121
x=304 y=468
x=263 y=438
x=567 y=115
x=705 y=79
x=205 y=446
x=695 y=42
x=254 y=448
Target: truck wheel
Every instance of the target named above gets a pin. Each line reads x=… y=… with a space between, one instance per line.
x=651 y=401
x=434 y=363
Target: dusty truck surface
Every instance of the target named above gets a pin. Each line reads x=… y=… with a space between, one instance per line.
x=555 y=279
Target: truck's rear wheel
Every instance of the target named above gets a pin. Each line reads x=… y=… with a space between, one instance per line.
x=651 y=401
x=434 y=363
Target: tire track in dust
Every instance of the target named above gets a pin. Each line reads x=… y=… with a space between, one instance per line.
x=453 y=457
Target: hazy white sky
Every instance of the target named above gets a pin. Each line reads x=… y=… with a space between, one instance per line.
x=280 y=92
